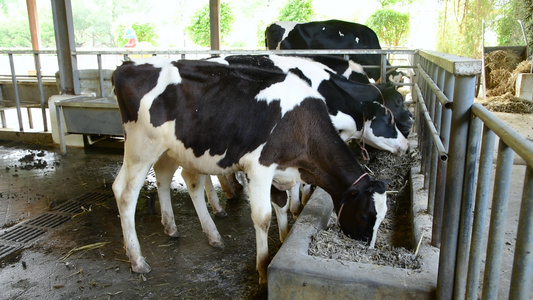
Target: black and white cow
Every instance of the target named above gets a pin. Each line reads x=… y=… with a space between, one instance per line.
x=358 y=114
x=211 y=118
x=330 y=34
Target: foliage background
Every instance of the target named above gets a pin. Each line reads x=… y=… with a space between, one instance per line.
x=456 y=28
x=199 y=28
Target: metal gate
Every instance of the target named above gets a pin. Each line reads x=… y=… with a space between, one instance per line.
x=458 y=139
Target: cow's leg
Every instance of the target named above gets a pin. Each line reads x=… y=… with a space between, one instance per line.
x=195 y=185
x=164 y=170
x=280 y=203
x=226 y=186
x=213 y=199
x=294 y=200
x=126 y=188
x=259 y=191
x=307 y=191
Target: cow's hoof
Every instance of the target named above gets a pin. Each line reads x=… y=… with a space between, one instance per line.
x=219 y=244
x=221 y=214
x=172 y=233
x=142 y=267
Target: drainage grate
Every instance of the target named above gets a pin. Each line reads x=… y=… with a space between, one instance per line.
x=72 y=207
x=7 y=249
x=93 y=197
x=49 y=220
x=23 y=234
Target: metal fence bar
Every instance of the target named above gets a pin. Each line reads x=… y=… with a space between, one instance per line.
x=464 y=90
x=16 y=89
x=480 y=213
x=41 y=90
x=434 y=135
x=523 y=259
x=467 y=208
x=500 y=200
x=100 y=75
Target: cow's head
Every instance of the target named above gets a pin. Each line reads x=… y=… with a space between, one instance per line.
x=380 y=129
x=393 y=100
x=362 y=209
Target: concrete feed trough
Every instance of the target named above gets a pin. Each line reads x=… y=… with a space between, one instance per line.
x=294 y=274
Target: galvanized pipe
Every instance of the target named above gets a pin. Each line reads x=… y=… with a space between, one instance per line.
x=443 y=155
x=16 y=89
x=41 y=90
x=502 y=183
x=446 y=119
x=467 y=208
x=513 y=139
x=480 y=213
x=464 y=93
x=100 y=75
x=523 y=260
x=439 y=94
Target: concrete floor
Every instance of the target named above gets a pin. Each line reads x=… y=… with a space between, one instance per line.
x=36 y=180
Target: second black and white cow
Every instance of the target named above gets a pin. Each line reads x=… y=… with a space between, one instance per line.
x=211 y=118
x=330 y=34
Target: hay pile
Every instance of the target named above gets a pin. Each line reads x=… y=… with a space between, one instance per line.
x=507 y=103
x=501 y=70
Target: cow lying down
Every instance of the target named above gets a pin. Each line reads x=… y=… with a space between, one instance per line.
x=216 y=119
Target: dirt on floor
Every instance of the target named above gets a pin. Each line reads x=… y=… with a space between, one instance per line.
x=84 y=258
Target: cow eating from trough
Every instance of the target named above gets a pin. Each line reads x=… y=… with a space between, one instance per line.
x=216 y=119
x=363 y=117
x=330 y=34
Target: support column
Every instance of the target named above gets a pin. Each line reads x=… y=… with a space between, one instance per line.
x=214 y=17
x=66 y=44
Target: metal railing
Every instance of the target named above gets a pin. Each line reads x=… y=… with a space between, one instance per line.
x=458 y=178
x=110 y=59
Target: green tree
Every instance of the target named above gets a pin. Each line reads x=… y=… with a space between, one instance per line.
x=460 y=24
x=297 y=11
x=508 y=29
x=146 y=32
x=391 y=27
x=199 y=28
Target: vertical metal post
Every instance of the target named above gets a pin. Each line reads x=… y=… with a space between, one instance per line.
x=435 y=163
x=16 y=89
x=502 y=183
x=383 y=68
x=463 y=99
x=467 y=208
x=66 y=45
x=100 y=74
x=442 y=167
x=523 y=259
x=214 y=20
x=62 y=143
x=41 y=90
x=480 y=213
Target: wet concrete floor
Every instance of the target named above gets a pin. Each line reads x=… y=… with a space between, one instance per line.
x=36 y=180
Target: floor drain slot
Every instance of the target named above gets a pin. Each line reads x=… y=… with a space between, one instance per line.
x=93 y=197
x=49 y=220
x=23 y=234
x=5 y=250
x=72 y=207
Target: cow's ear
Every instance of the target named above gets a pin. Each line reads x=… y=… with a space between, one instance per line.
x=351 y=194
x=370 y=109
x=377 y=186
